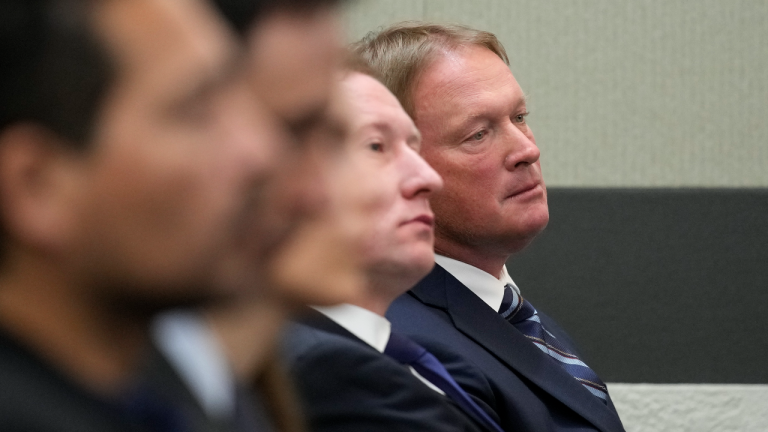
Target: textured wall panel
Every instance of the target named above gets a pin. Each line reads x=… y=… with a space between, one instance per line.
x=651 y=93
x=691 y=407
x=365 y=16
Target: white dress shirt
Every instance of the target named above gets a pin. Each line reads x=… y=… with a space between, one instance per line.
x=488 y=287
x=370 y=327
x=195 y=353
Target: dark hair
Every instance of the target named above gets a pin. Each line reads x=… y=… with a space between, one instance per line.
x=54 y=71
x=243 y=14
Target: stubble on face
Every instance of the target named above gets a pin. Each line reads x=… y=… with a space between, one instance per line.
x=176 y=157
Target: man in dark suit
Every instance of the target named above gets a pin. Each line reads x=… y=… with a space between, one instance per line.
x=455 y=82
x=131 y=165
x=346 y=362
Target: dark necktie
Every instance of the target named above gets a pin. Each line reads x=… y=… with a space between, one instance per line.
x=412 y=354
x=524 y=317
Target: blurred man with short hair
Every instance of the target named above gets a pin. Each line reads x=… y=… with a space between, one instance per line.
x=293 y=53
x=131 y=163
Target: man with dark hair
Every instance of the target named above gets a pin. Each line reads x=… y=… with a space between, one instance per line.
x=132 y=160
x=455 y=83
x=293 y=51
x=49 y=64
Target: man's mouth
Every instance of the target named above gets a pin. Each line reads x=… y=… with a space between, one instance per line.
x=426 y=219
x=530 y=187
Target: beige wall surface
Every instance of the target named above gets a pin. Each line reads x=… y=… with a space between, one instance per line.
x=652 y=93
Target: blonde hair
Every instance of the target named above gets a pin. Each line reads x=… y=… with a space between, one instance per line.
x=401 y=52
x=354 y=62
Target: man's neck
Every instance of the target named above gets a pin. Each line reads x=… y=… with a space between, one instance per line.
x=381 y=290
x=376 y=305
x=489 y=262
x=92 y=346
x=248 y=333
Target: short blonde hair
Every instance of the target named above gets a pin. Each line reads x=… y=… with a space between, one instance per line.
x=354 y=62
x=401 y=52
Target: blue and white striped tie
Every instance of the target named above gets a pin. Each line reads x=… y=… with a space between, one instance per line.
x=523 y=316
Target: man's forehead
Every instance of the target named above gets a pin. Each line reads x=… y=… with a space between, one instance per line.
x=336 y=115
x=375 y=108
x=463 y=69
x=177 y=42
x=468 y=83
x=294 y=58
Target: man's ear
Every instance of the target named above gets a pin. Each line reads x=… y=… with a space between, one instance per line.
x=39 y=176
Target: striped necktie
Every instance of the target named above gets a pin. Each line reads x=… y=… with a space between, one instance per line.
x=524 y=317
x=408 y=352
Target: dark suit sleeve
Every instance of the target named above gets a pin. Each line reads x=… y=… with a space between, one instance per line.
x=349 y=387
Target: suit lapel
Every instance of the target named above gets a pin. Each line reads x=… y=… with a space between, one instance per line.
x=473 y=317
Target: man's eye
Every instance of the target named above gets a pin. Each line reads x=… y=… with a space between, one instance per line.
x=479 y=135
x=377 y=147
x=196 y=112
x=520 y=118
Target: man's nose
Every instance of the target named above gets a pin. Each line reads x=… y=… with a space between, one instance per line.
x=420 y=178
x=253 y=136
x=309 y=188
x=522 y=148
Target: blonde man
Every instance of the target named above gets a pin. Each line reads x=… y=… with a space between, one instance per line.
x=456 y=84
x=353 y=373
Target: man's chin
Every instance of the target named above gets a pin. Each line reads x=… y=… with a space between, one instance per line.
x=147 y=302
x=535 y=220
x=419 y=265
x=522 y=234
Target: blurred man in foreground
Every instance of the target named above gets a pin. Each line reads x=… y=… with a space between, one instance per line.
x=347 y=366
x=294 y=49
x=456 y=84
x=131 y=163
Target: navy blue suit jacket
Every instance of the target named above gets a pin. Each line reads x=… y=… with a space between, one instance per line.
x=346 y=385
x=521 y=385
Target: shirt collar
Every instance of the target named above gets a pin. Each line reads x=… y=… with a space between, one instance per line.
x=489 y=288
x=195 y=353
x=373 y=329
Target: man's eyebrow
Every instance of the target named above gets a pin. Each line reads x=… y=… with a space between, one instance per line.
x=310 y=118
x=385 y=128
x=414 y=138
x=337 y=130
x=319 y=118
x=228 y=70
x=486 y=116
x=212 y=80
x=523 y=101
x=380 y=125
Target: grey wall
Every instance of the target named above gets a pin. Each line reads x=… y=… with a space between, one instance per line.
x=656 y=285
x=629 y=93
